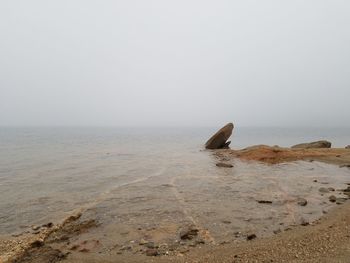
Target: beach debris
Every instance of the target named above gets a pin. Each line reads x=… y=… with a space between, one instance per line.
x=302 y=201
x=264 y=201
x=224 y=165
x=251 y=236
x=317 y=144
x=188 y=232
x=332 y=198
x=218 y=140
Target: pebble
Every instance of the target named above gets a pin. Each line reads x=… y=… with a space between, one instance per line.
x=251 y=236
x=332 y=198
x=340 y=201
x=224 y=165
x=323 y=190
x=302 y=202
x=151 y=252
x=189 y=232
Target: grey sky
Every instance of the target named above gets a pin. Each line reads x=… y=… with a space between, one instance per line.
x=163 y=62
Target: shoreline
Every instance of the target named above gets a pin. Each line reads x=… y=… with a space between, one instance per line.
x=326 y=238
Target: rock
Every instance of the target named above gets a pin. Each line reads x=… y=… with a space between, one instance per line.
x=189 y=232
x=347 y=190
x=151 y=245
x=340 y=201
x=347 y=147
x=345 y=165
x=48 y=225
x=332 y=198
x=304 y=222
x=277 y=231
x=323 y=190
x=143 y=242
x=331 y=189
x=37 y=243
x=218 y=140
x=35 y=228
x=251 y=236
x=226 y=221
x=224 y=165
x=318 y=144
x=226 y=145
x=151 y=252
x=264 y=201
x=302 y=202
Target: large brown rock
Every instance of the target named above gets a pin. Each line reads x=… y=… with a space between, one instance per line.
x=318 y=144
x=218 y=140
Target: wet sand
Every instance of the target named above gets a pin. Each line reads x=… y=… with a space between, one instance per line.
x=215 y=209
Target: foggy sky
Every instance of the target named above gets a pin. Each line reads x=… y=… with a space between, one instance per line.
x=169 y=63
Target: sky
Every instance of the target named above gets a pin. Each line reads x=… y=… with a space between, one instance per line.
x=175 y=63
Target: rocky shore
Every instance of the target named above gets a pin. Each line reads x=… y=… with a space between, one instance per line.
x=193 y=218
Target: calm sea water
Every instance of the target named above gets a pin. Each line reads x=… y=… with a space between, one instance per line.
x=46 y=173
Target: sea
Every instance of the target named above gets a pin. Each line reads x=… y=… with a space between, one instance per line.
x=130 y=177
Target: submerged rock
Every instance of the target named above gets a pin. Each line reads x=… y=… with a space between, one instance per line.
x=224 y=165
x=323 y=190
x=302 y=202
x=318 y=144
x=332 y=198
x=218 y=140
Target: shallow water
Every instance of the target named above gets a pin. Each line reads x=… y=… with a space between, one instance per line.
x=149 y=183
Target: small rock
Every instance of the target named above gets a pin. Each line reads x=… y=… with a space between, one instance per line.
x=323 y=190
x=151 y=252
x=35 y=228
x=150 y=245
x=345 y=165
x=331 y=189
x=189 y=232
x=224 y=165
x=251 y=236
x=332 y=198
x=318 y=144
x=302 y=202
x=264 y=201
x=340 y=201
x=226 y=221
x=315 y=181
x=277 y=231
x=200 y=241
x=347 y=189
x=37 y=243
x=304 y=222
x=48 y=225
x=143 y=242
